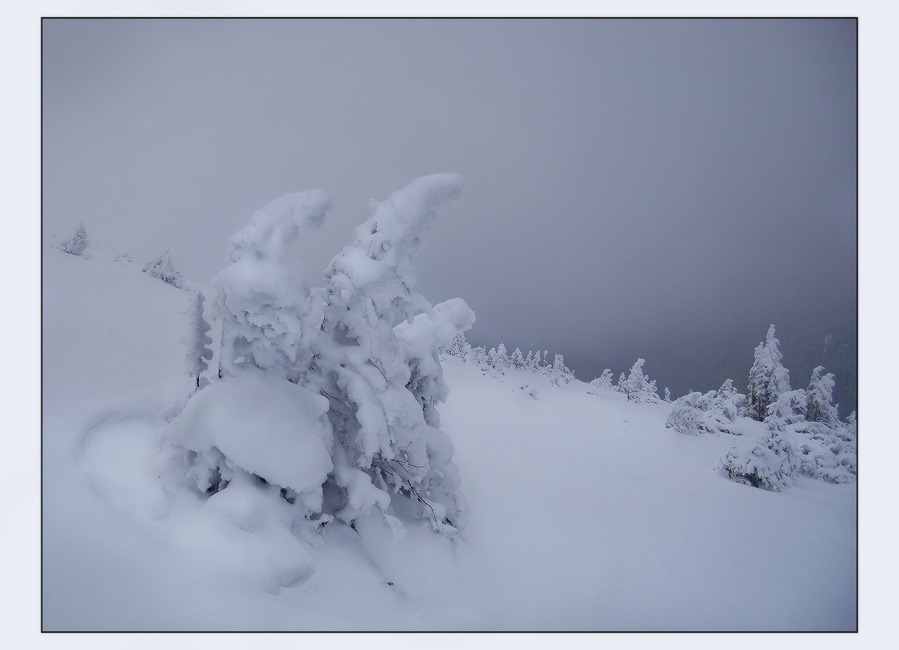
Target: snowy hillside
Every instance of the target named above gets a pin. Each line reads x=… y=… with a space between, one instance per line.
x=584 y=511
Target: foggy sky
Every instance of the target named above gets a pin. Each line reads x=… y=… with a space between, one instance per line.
x=655 y=188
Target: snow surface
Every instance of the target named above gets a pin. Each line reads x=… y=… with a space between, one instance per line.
x=585 y=512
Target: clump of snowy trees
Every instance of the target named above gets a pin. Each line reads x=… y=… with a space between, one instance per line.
x=326 y=406
x=498 y=359
x=803 y=433
x=713 y=412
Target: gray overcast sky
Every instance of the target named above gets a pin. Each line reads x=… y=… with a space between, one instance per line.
x=647 y=187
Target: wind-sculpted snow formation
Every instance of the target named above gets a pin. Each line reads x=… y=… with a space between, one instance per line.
x=325 y=401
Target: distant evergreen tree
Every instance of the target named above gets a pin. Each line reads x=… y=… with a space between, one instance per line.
x=163 y=269
x=559 y=371
x=517 y=359
x=768 y=379
x=852 y=424
x=502 y=358
x=637 y=386
x=819 y=394
x=77 y=244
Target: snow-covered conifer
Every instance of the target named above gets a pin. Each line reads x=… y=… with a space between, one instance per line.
x=559 y=371
x=329 y=395
x=852 y=424
x=459 y=348
x=162 y=268
x=77 y=244
x=637 y=386
x=381 y=436
x=492 y=358
x=667 y=397
x=517 y=359
x=197 y=339
x=820 y=407
x=502 y=357
x=768 y=379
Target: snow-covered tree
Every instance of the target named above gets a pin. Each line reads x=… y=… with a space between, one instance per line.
x=852 y=424
x=559 y=371
x=197 y=339
x=768 y=379
x=329 y=394
x=382 y=440
x=162 y=268
x=517 y=359
x=667 y=397
x=637 y=386
x=819 y=394
x=502 y=357
x=459 y=348
x=77 y=244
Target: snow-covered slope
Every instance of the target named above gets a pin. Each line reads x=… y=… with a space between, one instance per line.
x=585 y=512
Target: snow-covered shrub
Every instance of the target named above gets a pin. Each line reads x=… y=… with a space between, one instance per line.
x=77 y=244
x=789 y=407
x=768 y=379
x=712 y=412
x=197 y=339
x=603 y=382
x=769 y=463
x=826 y=453
x=162 y=268
x=329 y=394
x=637 y=386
